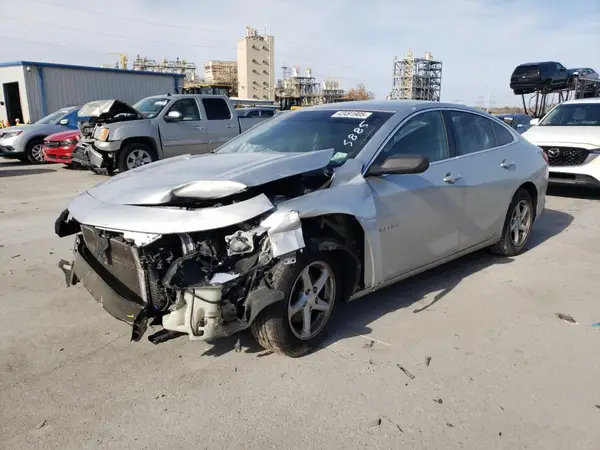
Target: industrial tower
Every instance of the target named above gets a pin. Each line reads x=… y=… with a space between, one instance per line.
x=416 y=78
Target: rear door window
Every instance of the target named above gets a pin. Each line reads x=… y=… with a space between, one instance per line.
x=216 y=109
x=473 y=133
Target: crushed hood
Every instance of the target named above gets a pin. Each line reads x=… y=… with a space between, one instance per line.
x=549 y=135
x=107 y=110
x=208 y=176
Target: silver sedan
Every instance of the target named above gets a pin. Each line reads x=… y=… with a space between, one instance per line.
x=280 y=226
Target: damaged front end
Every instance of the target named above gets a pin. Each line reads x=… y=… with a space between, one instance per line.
x=205 y=284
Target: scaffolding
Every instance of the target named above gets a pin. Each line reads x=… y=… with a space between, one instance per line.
x=294 y=89
x=416 y=78
x=165 y=66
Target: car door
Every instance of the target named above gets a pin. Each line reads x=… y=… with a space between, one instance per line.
x=487 y=160
x=561 y=75
x=187 y=135
x=221 y=124
x=418 y=214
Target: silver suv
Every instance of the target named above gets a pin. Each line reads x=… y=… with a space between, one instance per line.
x=24 y=142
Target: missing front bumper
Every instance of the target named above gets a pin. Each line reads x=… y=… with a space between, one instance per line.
x=117 y=305
x=198 y=314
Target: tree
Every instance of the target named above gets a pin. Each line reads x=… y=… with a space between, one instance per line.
x=359 y=93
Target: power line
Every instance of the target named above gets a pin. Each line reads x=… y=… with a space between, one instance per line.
x=93 y=50
x=168 y=25
x=156 y=41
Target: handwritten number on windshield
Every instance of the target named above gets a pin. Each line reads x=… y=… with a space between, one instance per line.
x=348 y=142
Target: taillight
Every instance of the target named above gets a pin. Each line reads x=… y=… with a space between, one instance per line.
x=545 y=156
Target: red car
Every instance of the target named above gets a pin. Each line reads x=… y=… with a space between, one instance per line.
x=59 y=147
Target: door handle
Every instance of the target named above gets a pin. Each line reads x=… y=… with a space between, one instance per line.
x=200 y=128
x=229 y=125
x=506 y=164
x=451 y=178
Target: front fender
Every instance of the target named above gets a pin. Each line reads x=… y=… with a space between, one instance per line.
x=348 y=194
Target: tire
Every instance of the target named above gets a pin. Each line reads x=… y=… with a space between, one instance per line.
x=33 y=151
x=145 y=155
x=275 y=330
x=508 y=245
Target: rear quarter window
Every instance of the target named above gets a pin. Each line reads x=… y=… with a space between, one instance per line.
x=503 y=136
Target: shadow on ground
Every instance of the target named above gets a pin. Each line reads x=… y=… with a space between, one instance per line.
x=355 y=317
x=574 y=192
x=22 y=172
x=16 y=168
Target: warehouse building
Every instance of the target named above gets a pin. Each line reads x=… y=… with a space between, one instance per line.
x=32 y=90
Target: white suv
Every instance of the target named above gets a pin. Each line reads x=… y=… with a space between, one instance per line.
x=570 y=136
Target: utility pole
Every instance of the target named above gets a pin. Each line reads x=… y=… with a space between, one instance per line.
x=489 y=90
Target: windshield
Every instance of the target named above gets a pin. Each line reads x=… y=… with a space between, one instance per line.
x=152 y=106
x=347 y=132
x=54 y=118
x=574 y=114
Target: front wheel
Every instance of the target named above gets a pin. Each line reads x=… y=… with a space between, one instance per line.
x=517 y=225
x=34 y=152
x=313 y=289
x=134 y=155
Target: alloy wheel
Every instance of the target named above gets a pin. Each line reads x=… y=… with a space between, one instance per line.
x=311 y=300
x=520 y=223
x=138 y=158
x=37 y=153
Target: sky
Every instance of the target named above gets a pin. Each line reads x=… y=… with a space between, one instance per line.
x=479 y=41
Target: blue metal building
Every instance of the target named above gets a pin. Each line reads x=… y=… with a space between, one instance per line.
x=30 y=90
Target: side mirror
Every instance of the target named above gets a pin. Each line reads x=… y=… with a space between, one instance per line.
x=400 y=165
x=63 y=122
x=174 y=116
x=534 y=122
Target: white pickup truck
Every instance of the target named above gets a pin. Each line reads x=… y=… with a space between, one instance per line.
x=158 y=127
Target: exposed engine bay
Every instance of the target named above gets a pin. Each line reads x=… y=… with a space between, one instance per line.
x=206 y=284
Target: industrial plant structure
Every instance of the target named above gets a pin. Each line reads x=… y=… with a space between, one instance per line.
x=416 y=78
x=180 y=67
x=255 y=59
x=294 y=89
x=221 y=72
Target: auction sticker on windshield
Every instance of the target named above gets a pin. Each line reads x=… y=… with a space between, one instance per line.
x=360 y=115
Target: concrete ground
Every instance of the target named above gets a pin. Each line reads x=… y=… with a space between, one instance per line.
x=503 y=372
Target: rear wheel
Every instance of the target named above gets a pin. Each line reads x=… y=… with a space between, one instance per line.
x=33 y=151
x=517 y=225
x=134 y=155
x=313 y=289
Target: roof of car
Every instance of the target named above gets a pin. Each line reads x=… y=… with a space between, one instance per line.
x=389 y=105
x=582 y=100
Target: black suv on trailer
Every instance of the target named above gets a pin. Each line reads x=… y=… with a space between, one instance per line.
x=541 y=76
